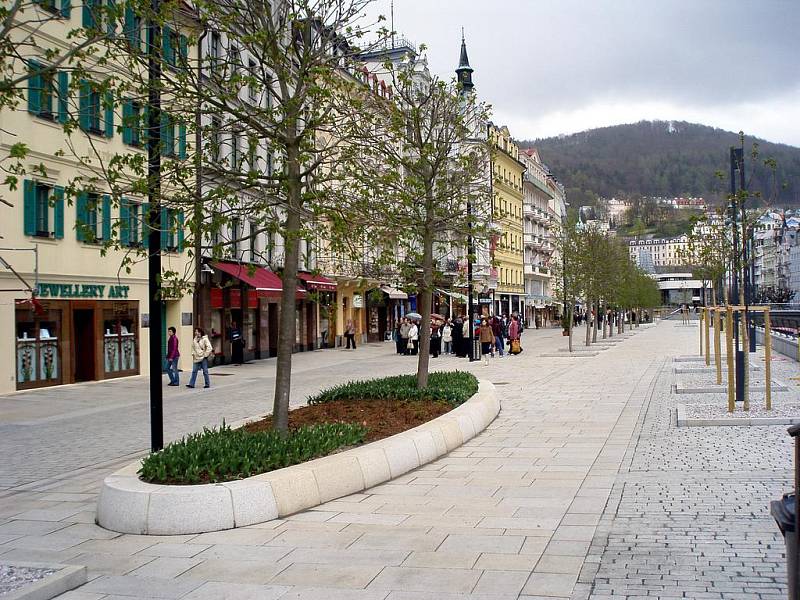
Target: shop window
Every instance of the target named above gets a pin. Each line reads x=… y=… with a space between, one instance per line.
x=37 y=338
x=119 y=340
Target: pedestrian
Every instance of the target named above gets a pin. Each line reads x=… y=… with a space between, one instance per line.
x=201 y=350
x=350 y=334
x=173 y=354
x=487 y=340
x=458 y=337
x=237 y=344
x=405 y=327
x=447 y=337
x=397 y=338
x=514 y=335
x=436 y=341
x=497 y=329
x=413 y=338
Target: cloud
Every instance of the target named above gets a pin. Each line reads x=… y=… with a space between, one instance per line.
x=552 y=66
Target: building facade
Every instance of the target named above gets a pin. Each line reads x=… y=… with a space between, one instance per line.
x=539 y=215
x=666 y=252
x=70 y=310
x=507 y=213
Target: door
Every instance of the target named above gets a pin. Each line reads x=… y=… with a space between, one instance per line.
x=84 y=345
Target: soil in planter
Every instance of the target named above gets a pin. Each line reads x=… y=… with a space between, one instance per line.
x=382 y=418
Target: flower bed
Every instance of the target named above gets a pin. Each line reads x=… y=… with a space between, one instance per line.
x=340 y=417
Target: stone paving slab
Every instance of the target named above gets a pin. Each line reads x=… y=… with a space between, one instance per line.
x=543 y=504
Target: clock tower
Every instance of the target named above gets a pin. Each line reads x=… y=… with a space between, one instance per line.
x=464 y=71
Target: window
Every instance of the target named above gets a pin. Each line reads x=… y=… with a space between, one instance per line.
x=93 y=217
x=133 y=28
x=252 y=153
x=96 y=110
x=236 y=61
x=215 y=51
x=235 y=162
x=252 y=88
x=173 y=47
x=133 y=124
x=253 y=239
x=43 y=209
x=216 y=139
x=235 y=231
x=133 y=225
x=48 y=92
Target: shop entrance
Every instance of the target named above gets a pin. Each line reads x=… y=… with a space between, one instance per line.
x=84 y=344
x=272 y=329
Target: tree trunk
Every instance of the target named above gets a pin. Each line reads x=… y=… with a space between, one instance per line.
x=606 y=324
x=423 y=359
x=286 y=325
x=594 y=325
x=570 y=315
x=589 y=325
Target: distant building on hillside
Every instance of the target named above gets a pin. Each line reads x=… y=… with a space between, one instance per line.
x=659 y=252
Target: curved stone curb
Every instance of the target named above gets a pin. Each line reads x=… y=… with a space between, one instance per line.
x=129 y=505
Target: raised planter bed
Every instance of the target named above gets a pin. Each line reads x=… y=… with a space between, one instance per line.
x=129 y=505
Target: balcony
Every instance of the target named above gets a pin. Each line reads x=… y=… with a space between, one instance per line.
x=538 y=271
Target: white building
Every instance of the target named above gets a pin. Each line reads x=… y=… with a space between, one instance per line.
x=668 y=252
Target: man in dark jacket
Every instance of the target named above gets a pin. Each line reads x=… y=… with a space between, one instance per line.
x=499 y=333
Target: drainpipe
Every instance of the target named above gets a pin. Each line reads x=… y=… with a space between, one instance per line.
x=199 y=313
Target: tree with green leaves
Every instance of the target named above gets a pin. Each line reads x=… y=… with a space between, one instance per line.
x=423 y=151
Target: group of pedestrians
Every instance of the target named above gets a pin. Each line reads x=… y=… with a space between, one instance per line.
x=452 y=337
x=201 y=351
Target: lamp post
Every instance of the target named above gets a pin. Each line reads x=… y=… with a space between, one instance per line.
x=155 y=302
x=737 y=155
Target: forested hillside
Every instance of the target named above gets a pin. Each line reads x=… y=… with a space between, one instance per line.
x=664 y=158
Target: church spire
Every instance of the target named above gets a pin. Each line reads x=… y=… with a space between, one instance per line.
x=464 y=71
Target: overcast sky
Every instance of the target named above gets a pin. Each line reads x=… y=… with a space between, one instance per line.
x=560 y=66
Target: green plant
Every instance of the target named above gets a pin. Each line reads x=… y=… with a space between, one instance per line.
x=225 y=454
x=453 y=387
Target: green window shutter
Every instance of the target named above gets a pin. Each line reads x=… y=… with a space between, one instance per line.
x=83 y=104
x=111 y=18
x=89 y=21
x=182 y=141
x=130 y=26
x=58 y=212
x=66 y=8
x=167 y=135
x=166 y=45
x=63 y=96
x=34 y=87
x=165 y=227
x=181 y=225
x=184 y=50
x=109 y=120
x=127 y=118
x=29 y=192
x=124 y=222
x=106 y=217
x=81 y=215
x=145 y=223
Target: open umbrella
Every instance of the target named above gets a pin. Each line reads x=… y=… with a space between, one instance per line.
x=413 y=315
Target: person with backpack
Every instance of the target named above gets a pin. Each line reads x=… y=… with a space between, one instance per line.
x=201 y=350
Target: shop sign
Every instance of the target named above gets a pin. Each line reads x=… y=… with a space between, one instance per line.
x=82 y=290
x=484 y=299
x=358 y=301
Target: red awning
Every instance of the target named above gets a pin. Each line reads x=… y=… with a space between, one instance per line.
x=317 y=282
x=266 y=283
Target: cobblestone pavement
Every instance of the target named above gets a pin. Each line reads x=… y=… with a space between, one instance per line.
x=580 y=487
x=688 y=516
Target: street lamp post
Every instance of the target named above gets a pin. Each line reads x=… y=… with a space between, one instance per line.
x=736 y=155
x=470 y=286
x=155 y=301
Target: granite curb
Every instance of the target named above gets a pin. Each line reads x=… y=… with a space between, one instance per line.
x=129 y=505
x=65 y=578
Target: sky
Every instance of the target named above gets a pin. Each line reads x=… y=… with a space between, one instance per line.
x=549 y=67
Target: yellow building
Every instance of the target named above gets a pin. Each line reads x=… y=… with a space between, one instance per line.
x=507 y=172
x=90 y=319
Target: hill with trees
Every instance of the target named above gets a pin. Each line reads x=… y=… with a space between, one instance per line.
x=665 y=158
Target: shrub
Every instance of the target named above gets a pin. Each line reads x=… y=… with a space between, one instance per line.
x=225 y=454
x=453 y=387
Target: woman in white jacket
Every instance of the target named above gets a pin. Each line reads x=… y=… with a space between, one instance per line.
x=201 y=350
x=413 y=337
x=447 y=337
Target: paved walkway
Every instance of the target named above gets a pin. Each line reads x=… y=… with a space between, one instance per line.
x=556 y=499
